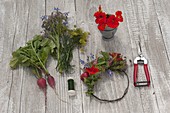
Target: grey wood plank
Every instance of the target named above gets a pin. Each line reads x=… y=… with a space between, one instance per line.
x=20 y=21
x=18 y=90
x=32 y=98
x=163 y=14
x=74 y=104
x=147 y=26
x=163 y=21
x=7 y=30
x=140 y=16
x=2 y=12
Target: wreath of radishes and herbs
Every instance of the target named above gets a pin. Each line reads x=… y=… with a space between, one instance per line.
x=95 y=68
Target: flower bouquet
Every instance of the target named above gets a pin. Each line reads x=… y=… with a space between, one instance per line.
x=108 y=23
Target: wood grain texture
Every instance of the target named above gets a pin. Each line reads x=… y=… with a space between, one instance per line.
x=147 y=21
x=18 y=92
x=153 y=46
x=6 y=34
x=140 y=17
x=163 y=21
x=32 y=98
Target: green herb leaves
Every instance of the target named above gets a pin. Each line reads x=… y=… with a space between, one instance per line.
x=34 y=55
x=90 y=82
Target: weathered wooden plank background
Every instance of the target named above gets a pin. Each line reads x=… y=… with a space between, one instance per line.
x=20 y=21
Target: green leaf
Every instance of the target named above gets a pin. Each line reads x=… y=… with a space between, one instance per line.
x=34 y=54
x=14 y=62
x=43 y=54
x=105 y=55
x=101 y=63
x=36 y=72
x=45 y=42
x=52 y=46
x=25 y=59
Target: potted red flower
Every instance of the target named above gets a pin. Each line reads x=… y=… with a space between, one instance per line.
x=108 y=23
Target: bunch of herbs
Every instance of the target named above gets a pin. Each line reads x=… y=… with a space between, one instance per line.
x=65 y=39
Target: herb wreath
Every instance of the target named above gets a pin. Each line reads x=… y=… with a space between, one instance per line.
x=106 y=62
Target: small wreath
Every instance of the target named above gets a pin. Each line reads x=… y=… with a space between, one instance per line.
x=105 y=62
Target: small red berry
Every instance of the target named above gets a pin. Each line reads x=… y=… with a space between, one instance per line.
x=84 y=75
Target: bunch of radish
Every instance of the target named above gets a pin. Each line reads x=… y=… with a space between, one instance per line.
x=41 y=82
x=34 y=55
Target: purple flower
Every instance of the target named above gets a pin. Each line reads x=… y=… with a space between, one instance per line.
x=44 y=17
x=109 y=72
x=66 y=13
x=65 y=23
x=86 y=65
x=56 y=9
x=82 y=62
x=91 y=56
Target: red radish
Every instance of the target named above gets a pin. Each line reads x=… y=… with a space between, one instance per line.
x=84 y=75
x=51 y=81
x=41 y=82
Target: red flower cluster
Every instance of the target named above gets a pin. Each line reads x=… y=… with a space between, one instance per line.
x=89 y=71
x=103 y=19
x=93 y=70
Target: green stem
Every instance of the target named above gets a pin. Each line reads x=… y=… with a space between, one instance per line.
x=58 y=48
x=68 y=55
x=35 y=66
x=38 y=74
x=39 y=59
x=57 y=43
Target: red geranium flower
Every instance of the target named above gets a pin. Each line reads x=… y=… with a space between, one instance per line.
x=93 y=70
x=119 y=16
x=118 y=13
x=112 y=21
x=101 y=26
x=100 y=17
x=103 y=19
